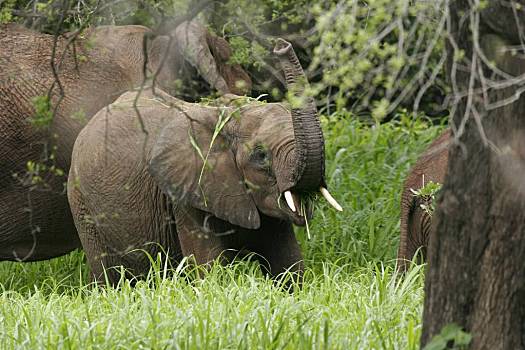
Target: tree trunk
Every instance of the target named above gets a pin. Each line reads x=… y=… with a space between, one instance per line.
x=476 y=268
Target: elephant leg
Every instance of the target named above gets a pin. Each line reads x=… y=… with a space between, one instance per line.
x=197 y=239
x=415 y=231
x=119 y=236
x=278 y=249
x=89 y=236
x=419 y=229
x=407 y=202
x=103 y=260
x=108 y=264
x=34 y=225
x=208 y=239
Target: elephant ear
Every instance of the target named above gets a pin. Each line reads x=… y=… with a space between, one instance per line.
x=215 y=185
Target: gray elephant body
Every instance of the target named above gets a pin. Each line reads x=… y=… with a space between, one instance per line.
x=121 y=180
x=416 y=224
x=35 y=220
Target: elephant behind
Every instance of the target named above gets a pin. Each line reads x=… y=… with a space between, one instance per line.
x=416 y=224
x=35 y=220
x=175 y=188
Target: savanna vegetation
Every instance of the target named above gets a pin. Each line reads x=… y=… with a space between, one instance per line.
x=377 y=74
x=351 y=297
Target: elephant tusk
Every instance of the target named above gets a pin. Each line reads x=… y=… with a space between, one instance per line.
x=330 y=199
x=289 y=200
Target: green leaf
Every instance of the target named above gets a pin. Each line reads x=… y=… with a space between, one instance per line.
x=449 y=333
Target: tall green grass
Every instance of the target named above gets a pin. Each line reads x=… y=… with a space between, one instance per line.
x=366 y=167
x=351 y=297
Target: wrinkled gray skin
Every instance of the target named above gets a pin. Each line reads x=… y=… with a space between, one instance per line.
x=416 y=223
x=35 y=220
x=129 y=190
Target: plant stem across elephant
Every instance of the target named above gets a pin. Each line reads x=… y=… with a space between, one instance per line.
x=203 y=180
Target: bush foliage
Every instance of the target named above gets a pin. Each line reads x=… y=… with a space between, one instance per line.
x=369 y=57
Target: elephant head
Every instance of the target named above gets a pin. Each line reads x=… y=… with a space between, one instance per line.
x=243 y=159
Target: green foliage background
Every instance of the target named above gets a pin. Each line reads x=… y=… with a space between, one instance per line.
x=372 y=58
x=369 y=62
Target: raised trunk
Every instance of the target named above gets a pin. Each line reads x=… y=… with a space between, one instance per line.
x=308 y=171
x=476 y=274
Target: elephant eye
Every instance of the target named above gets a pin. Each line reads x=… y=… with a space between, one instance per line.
x=260 y=156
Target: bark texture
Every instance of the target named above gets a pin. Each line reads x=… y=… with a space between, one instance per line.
x=476 y=270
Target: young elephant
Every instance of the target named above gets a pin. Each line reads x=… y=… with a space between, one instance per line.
x=415 y=221
x=203 y=180
x=104 y=62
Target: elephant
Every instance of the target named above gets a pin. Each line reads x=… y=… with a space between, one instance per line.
x=416 y=223
x=65 y=82
x=206 y=181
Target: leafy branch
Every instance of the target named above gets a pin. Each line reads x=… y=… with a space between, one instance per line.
x=428 y=194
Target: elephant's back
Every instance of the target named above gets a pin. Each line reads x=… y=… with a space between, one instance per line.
x=116 y=142
x=431 y=164
x=109 y=162
x=435 y=158
x=87 y=69
x=133 y=117
x=23 y=74
x=28 y=54
x=87 y=77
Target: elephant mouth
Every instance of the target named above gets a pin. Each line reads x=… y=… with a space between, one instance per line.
x=298 y=208
x=298 y=220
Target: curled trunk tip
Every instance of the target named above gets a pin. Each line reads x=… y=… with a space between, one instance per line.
x=282 y=47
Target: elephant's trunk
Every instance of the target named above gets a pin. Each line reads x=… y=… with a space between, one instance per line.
x=307 y=174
